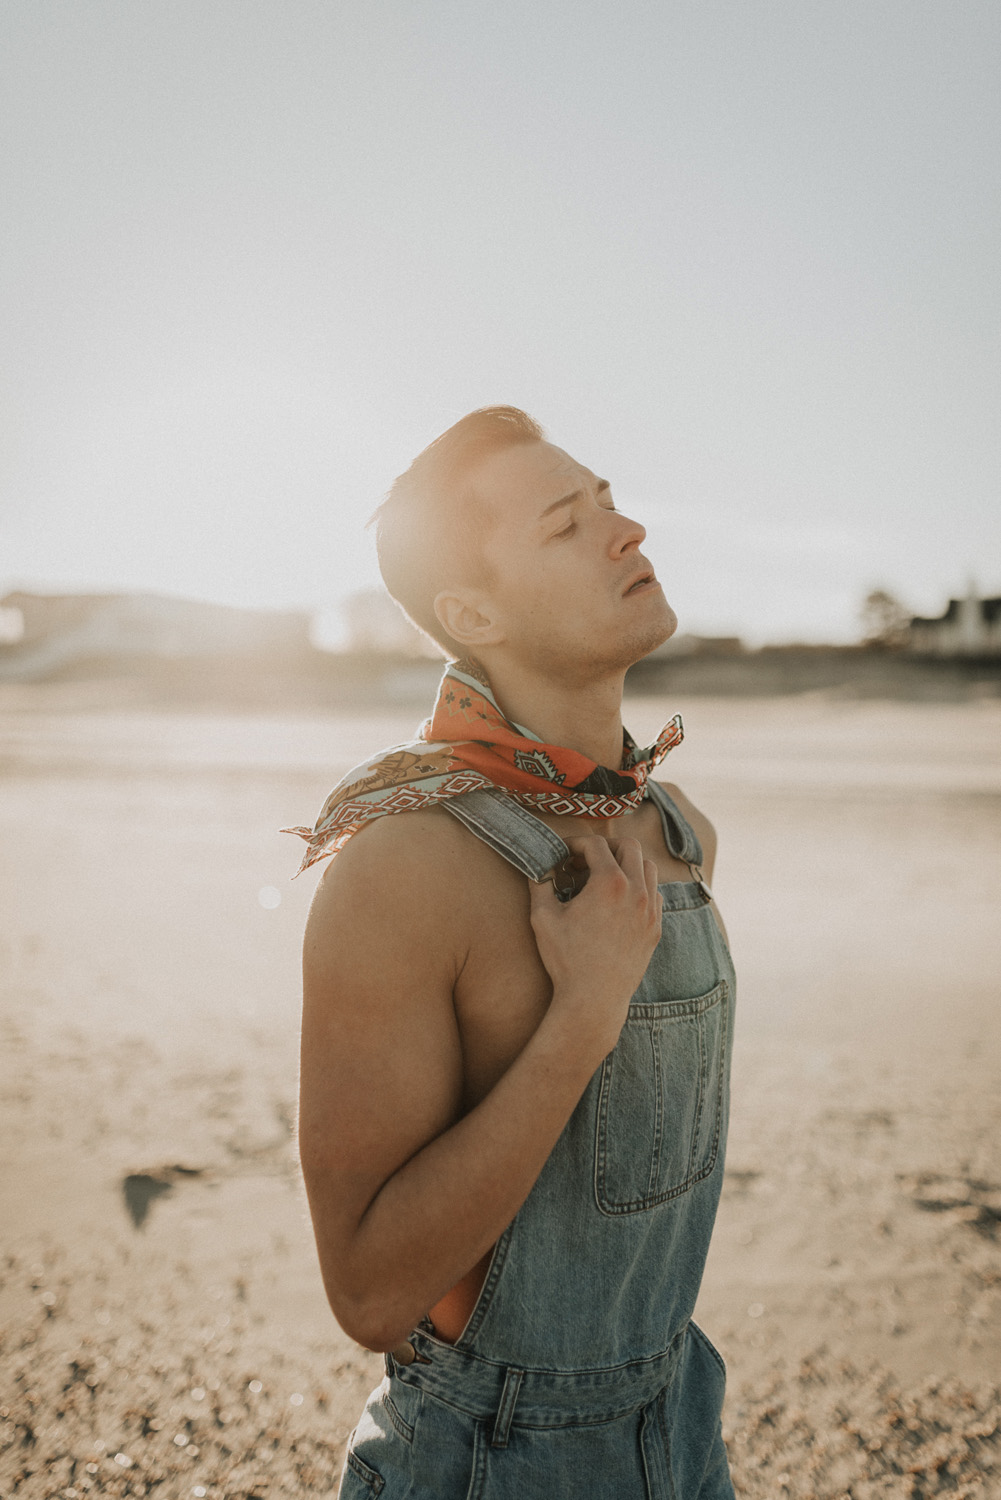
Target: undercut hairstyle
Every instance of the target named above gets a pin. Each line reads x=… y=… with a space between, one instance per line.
x=431 y=521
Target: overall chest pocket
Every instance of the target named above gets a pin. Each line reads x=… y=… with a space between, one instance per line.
x=660 y=1102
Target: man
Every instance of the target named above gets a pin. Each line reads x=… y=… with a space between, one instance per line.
x=514 y=1091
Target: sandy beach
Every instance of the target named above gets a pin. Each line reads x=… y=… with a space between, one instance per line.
x=162 y=1325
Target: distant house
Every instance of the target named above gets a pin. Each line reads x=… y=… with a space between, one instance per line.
x=55 y=632
x=969 y=627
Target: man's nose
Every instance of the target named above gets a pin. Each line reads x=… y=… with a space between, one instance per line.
x=628 y=533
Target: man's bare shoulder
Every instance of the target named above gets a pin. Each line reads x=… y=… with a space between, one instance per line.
x=405 y=872
x=704 y=830
x=404 y=851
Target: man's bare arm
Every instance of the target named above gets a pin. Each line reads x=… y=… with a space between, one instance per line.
x=406 y=1193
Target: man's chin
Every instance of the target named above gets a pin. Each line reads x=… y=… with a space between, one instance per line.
x=661 y=629
x=578 y=658
x=670 y=624
x=639 y=644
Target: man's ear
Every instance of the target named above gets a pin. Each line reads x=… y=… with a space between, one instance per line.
x=468 y=617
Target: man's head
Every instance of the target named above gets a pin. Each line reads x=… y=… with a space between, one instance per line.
x=496 y=542
x=429 y=527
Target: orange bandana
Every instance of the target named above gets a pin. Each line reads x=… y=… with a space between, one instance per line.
x=467 y=744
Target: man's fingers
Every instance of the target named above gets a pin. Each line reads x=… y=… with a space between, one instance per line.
x=593 y=850
x=628 y=854
x=599 y=854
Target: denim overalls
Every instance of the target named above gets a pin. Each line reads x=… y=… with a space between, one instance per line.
x=580 y=1375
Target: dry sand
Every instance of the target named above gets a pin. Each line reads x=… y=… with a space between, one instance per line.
x=162 y=1325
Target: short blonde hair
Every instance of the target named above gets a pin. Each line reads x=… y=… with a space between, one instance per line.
x=429 y=525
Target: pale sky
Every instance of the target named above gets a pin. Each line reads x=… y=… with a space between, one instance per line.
x=739 y=256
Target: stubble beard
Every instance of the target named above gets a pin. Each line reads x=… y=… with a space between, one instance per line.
x=574 y=662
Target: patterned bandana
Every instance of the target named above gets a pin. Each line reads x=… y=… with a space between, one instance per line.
x=467 y=744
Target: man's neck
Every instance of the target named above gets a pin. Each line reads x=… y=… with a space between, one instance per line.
x=584 y=717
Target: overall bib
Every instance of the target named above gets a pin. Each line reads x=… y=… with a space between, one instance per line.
x=580 y=1375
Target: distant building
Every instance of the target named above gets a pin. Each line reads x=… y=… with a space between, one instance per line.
x=56 y=631
x=969 y=627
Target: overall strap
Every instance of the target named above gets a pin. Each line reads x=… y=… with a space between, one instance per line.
x=510 y=829
x=679 y=835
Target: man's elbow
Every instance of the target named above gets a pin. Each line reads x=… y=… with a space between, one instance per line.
x=358 y=1280
x=370 y=1322
x=362 y=1307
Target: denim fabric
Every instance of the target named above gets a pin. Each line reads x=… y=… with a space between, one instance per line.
x=580 y=1372
x=523 y=839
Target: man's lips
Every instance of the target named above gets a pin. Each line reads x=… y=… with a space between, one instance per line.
x=646 y=579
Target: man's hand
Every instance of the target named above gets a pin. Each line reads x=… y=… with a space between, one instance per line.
x=596 y=947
